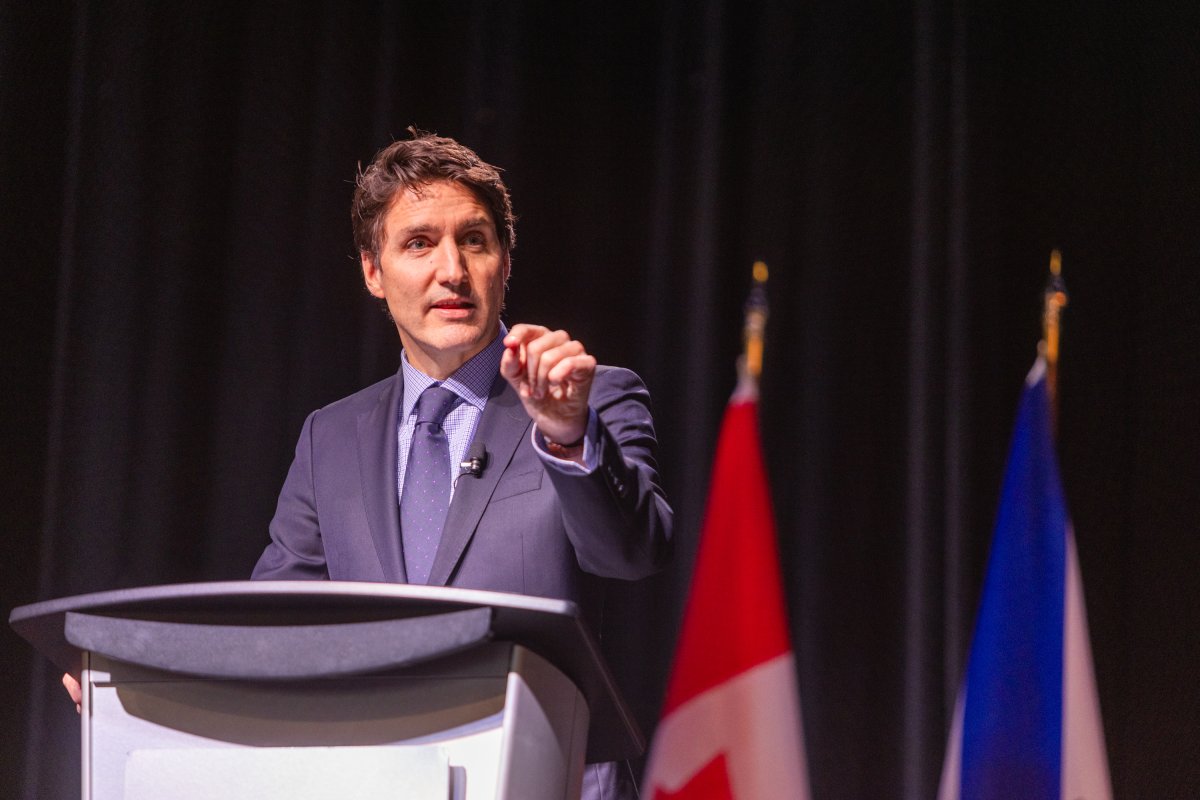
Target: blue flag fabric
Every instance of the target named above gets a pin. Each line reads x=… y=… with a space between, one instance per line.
x=1012 y=725
x=1021 y=730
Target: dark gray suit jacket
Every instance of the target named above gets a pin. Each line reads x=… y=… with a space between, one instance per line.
x=520 y=527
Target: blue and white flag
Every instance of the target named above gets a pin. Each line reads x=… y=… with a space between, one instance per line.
x=1027 y=722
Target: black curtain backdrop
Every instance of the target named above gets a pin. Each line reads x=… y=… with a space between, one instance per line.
x=174 y=187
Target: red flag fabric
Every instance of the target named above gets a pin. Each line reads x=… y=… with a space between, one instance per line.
x=731 y=722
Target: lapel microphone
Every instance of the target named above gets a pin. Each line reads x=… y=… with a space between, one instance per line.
x=475 y=462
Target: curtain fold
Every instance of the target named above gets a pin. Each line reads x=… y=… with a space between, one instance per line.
x=177 y=182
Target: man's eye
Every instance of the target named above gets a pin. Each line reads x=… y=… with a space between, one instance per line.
x=416 y=244
x=475 y=239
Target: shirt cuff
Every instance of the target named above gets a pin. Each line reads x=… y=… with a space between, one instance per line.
x=591 y=449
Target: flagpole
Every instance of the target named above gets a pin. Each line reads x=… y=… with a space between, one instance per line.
x=1030 y=726
x=731 y=724
x=1054 y=301
x=755 y=325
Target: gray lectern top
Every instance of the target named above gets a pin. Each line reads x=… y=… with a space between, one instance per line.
x=300 y=630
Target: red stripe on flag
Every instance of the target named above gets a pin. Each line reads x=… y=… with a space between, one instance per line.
x=735 y=614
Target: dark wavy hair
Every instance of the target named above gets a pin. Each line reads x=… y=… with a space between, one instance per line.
x=411 y=164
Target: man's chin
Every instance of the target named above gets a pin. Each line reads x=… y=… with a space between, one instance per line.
x=464 y=333
x=449 y=347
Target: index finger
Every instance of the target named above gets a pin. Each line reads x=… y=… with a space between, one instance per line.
x=524 y=333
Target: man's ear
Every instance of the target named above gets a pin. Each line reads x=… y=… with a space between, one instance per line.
x=372 y=275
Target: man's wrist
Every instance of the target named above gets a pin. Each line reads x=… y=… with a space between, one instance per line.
x=564 y=450
x=580 y=453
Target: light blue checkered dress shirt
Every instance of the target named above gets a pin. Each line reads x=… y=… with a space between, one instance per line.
x=472 y=382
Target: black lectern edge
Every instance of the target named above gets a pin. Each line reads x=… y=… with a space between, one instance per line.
x=42 y=624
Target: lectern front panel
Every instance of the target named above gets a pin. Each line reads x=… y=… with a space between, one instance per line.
x=453 y=728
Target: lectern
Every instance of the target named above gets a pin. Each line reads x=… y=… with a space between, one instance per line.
x=307 y=690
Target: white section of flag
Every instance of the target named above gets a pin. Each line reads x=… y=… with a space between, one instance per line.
x=753 y=719
x=1085 y=773
x=952 y=766
x=1084 y=760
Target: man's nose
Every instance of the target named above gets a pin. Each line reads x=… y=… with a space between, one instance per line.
x=452 y=268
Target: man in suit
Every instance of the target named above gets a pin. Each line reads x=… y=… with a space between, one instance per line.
x=565 y=496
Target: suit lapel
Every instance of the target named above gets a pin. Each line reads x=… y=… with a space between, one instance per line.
x=502 y=426
x=377 y=463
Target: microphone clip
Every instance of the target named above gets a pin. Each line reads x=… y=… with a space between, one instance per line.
x=475 y=462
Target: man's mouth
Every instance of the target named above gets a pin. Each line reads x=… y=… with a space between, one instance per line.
x=453 y=304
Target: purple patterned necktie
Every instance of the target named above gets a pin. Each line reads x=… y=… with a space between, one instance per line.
x=426 y=495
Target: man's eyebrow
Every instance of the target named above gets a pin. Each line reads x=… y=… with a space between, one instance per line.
x=415 y=229
x=477 y=222
x=423 y=227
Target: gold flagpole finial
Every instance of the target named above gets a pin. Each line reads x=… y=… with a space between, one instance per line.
x=1054 y=301
x=755 y=326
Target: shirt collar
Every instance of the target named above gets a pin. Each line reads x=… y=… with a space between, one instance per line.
x=472 y=381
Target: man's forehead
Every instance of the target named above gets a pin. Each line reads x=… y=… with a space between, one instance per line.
x=436 y=198
x=442 y=189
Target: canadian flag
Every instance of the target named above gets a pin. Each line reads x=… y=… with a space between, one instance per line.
x=731 y=725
